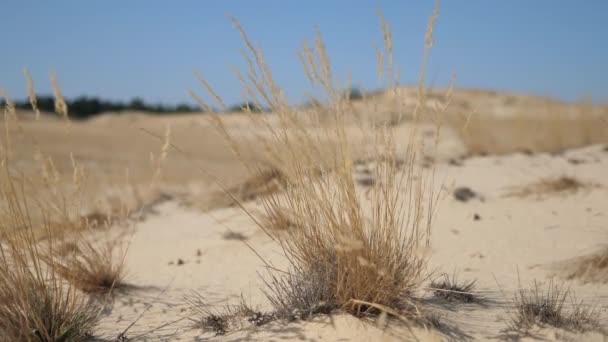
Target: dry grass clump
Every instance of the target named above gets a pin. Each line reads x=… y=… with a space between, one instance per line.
x=43 y=312
x=450 y=289
x=340 y=254
x=41 y=269
x=550 y=186
x=538 y=307
x=36 y=304
x=93 y=267
x=57 y=222
x=305 y=291
x=226 y=318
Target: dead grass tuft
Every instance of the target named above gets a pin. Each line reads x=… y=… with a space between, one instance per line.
x=537 y=307
x=92 y=266
x=226 y=318
x=550 y=186
x=36 y=304
x=341 y=256
x=41 y=271
x=41 y=310
x=450 y=289
x=304 y=292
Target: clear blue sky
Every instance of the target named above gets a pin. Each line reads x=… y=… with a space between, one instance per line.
x=121 y=49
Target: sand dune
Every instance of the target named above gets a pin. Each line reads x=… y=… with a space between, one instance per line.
x=186 y=243
x=514 y=241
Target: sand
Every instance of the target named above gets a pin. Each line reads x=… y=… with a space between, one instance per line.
x=515 y=241
x=182 y=246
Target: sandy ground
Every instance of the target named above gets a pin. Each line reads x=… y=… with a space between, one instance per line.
x=181 y=247
x=515 y=241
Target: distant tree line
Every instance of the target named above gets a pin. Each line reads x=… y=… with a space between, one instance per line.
x=247 y=107
x=84 y=107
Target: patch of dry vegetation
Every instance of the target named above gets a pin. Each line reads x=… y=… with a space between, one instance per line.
x=341 y=256
x=550 y=186
x=36 y=303
x=224 y=319
x=450 y=289
x=590 y=268
x=44 y=260
x=553 y=127
x=92 y=266
x=538 y=307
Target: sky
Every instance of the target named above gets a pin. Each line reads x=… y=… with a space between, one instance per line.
x=119 y=49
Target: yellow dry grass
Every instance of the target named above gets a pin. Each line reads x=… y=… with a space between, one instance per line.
x=36 y=303
x=342 y=253
x=40 y=298
x=548 y=126
x=341 y=256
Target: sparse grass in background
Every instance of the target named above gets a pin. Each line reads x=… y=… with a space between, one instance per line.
x=450 y=289
x=92 y=266
x=589 y=268
x=551 y=128
x=226 y=318
x=305 y=290
x=340 y=258
x=552 y=306
x=550 y=186
x=262 y=183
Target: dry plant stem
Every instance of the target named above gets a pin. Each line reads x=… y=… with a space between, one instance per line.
x=61 y=107
x=31 y=93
